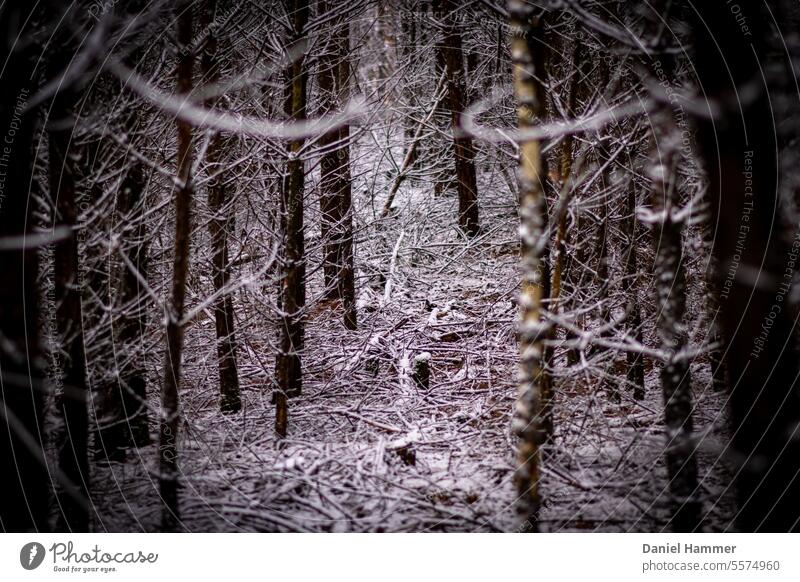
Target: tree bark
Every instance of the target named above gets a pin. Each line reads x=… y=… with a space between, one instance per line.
x=331 y=174
x=630 y=286
x=565 y=172
x=670 y=288
x=528 y=420
x=409 y=54
x=346 y=276
x=293 y=293
x=170 y=419
x=670 y=283
x=719 y=372
x=453 y=57
x=73 y=487
x=221 y=207
x=335 y=184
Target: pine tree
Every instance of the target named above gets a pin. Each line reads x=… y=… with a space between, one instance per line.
x=170 y=414
x=288 y=365
x=221 y=207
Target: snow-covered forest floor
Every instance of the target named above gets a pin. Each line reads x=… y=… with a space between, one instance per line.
x=369 y=450
x=399 y=266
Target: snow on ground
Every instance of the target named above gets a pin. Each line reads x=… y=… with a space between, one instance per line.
x=370 y=451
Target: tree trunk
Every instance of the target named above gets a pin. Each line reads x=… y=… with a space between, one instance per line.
x=560 y=258
x=335 y=184
x=221 y=207
x=73 y=488
x=409 y=27
x=288 y=370
x=24 y=502
x=170 y=415
x=463 y=146
x=528 y=421
x=538 y=45
x=671 y=305
x=630 y=286
x=756 y=264
x=670 y=287
x=330 y=168
x=719 y=372
x=346 y=275
x=602 y=280
x=565 y=171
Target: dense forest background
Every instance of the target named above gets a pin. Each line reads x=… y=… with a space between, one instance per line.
x=399 y=265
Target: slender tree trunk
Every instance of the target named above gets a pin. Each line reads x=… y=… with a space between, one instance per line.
x=538 y=45
x=756 y=264
x=601 y=245
x=439 y=148
x=330 y=177
x=630 y=286
x=333 y=178
x=221 y=207
x=409 y=25
x=463 y=146
x=560 y=259
x=670 y=286
x=72 y=492
x=293 y=295
x=24 y=502
x=719 y=372
x=602 y=280
x=670 y=289
x=565 y=172
x=528 y=420
x=346 y=258
x=170 y=419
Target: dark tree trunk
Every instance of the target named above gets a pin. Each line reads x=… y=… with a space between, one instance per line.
x=560 y=259
x=719 y=372
x=438 y=148
x=170 y=420
x=24 y=502
x=607 y=382
x=331 y=169
x=409 y=25
x=630 y=286
x=346 y=258
x=335 y=184
x=671 y=306
x=73 y=488
x=740 y=149
x=288 y=369
x=221 y=207
x=670 y=288
x=463 y=146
